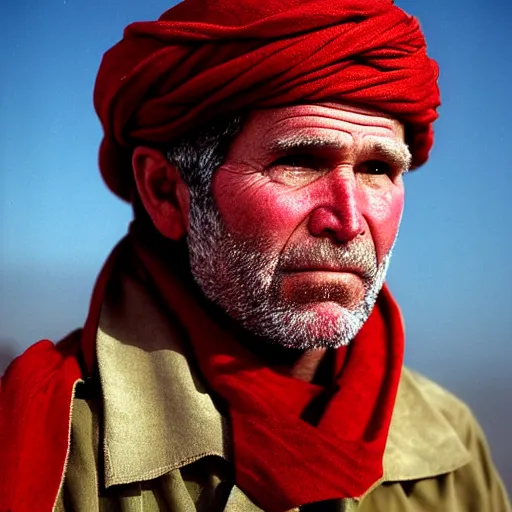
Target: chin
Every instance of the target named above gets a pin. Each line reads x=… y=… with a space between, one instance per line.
x=328 y=311
x=314 y=326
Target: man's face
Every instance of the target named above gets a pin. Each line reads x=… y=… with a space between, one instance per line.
x=305 y=211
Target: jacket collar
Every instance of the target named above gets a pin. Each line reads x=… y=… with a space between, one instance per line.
x=159 y=416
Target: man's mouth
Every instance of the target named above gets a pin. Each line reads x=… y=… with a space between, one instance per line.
x=326 y=267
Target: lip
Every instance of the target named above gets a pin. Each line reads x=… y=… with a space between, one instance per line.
x=325 y=268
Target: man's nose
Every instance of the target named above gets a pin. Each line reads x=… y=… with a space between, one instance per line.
x=338 y=214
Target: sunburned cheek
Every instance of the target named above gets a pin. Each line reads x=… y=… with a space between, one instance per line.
x=268 y=214
x=383 y=214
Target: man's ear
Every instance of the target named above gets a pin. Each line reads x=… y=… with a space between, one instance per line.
x=162 y=191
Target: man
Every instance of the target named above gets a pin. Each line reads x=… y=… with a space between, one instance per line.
x=241 y=351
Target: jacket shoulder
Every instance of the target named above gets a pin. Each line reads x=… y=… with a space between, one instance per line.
x=479 y=479
x=40 y=359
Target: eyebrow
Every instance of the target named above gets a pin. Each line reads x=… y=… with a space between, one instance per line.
x=395 y=152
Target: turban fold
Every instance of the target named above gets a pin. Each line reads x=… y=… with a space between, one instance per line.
x=207 y=59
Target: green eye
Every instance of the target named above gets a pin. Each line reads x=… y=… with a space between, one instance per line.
x=293 y=176
x=296 y=170
x=375 y=167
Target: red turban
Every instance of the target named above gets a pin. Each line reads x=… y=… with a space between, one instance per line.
x=205 y=59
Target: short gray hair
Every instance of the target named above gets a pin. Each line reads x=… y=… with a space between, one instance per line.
x=197 y=155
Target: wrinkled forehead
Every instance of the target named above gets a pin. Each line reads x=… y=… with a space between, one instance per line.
x=331 y=124
x=329 y=115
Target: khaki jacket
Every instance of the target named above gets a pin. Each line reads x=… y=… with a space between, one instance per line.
x=146 y=435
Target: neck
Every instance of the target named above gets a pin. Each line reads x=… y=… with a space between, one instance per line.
x=310 y=366
x=314 y=365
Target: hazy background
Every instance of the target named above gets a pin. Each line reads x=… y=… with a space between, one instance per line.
x=451 y=270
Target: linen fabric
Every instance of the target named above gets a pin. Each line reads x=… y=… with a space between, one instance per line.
x=283 y=458
x=208 y=59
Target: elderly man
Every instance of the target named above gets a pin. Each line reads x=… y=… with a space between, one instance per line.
x=242 y=351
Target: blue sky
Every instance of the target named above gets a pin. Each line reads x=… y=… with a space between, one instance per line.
x=451 y=269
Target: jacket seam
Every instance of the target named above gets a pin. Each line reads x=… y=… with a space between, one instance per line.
x=155 y=473
x=68 y=450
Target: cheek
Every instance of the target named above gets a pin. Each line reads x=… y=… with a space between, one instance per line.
x=383 y=212
x=260 y=210
x=257 y=208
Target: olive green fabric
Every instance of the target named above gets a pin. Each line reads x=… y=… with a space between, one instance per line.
x=146 y=436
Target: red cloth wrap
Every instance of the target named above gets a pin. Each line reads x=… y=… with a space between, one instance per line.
x=205 y=59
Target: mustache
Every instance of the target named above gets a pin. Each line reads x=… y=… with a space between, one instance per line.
x=359 y=257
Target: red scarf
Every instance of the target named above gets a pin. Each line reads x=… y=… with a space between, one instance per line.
x=282 y=461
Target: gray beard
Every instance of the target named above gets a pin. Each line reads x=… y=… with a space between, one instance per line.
x=243 y=279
